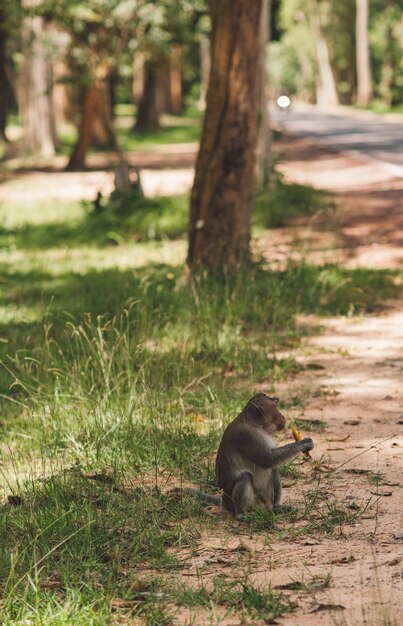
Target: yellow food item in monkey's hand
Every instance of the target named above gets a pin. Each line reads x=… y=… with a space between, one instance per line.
x=298 y=437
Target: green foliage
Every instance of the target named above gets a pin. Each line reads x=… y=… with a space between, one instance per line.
x=293 y=59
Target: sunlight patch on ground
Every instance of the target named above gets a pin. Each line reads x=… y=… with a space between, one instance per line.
x=170 y=182
x=56 y=261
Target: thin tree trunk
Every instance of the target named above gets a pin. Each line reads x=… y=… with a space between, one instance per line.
x=364 y=83
x=205 y=64
x=4 y=86
x=93 y=103
x=223 y=189
x=264 y=142
x=35 y=89
x=104 y=135
x=148 y=111
x=175 y=80
x=326 y=93
x=138 y=77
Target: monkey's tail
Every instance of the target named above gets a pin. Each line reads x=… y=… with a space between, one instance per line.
x=206 y=497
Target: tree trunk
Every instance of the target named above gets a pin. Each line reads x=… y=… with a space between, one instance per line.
x=35 y=89
x=4 y=86
x=205 y=63
x=148 y=111
x=223 y=188
x=104 y=136
x=175 y=80
x=364 y=86
x=169 y=84
x=95 y=109
x=138 y=77
x=264 y=142
x=326 y=93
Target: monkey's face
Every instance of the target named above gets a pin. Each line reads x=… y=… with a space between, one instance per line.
x=272 y=419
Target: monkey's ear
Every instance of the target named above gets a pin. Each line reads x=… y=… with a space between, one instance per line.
x=275 y=400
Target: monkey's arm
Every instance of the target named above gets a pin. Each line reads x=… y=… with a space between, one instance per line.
x=261 y=450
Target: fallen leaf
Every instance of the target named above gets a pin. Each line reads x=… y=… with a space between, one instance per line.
x=326 y=607
x=338 y=439
x=101 y=478
x=53 y=581
x=295 y=585
x=15 y=500
x=394 y=561
x=200 y=561
x=314 y=366
x=310 y=542
x=344 y=560
x=118 y=603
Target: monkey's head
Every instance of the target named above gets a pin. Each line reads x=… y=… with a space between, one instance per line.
x=264 y=411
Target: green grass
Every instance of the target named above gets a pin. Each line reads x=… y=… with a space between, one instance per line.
x=118 y=374
x=122 y=218
x=283 y=202
x=184 y=128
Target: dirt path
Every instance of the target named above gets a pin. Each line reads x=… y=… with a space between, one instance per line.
x=361 y=400
x=359 y=394
x=348 y=572
x=367 y=227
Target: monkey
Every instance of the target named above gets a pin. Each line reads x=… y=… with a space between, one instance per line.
x=248 y=459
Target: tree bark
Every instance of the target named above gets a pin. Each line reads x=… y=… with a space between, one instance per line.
x=148 y=111
x=138 y=77
x=175 y=80
x=264 y=142
x=205 y=64
x=104 y=136
x=326 y=92
x=4 y=86
x=92 y=102
x=223 y=188
x=35 y=89
x=364 y=86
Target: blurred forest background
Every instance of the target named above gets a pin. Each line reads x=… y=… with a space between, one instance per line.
x=68 y=68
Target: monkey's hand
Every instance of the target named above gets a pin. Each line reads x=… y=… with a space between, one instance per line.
x=307 y=444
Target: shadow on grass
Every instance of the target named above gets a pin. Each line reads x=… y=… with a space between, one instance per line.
x=123 y=218
x=231 y=326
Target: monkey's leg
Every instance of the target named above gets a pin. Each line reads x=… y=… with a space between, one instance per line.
x=277 y=507
x=243 y=495
x=276 y=489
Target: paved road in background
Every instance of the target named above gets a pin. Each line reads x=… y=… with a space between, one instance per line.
x=371 y=136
